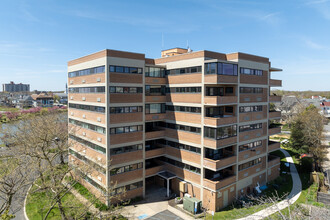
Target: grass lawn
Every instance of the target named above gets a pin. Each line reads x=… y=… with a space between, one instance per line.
x=90 y=197
x=38 y=204
x=309 y=190
x=285 y=180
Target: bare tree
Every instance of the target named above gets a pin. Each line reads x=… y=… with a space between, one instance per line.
x=44 y=140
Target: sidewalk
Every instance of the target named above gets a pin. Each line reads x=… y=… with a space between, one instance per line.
x=292 y=197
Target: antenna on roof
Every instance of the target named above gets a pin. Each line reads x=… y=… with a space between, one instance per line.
x=188 y=48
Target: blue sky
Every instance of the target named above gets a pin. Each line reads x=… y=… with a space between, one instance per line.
x=38 y=37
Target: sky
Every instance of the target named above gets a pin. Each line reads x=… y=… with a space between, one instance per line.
x=39 y=37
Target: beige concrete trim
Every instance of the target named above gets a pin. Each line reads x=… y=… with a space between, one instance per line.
x=252 y=158
x=89 y=158
x=252 y=140
x=126 y=84
x=88 y=103
x=128 y=182
x=252 y=122
x=90 y=140
x=184 y=104
x=125 y=124
x=184 y=123
x=253 y=85
x=185 y=85
x=128 y=163
x=87 y=121
x=184 y=142
x=126 y=104
x=87 y=85
x=252 y=103
x=186 y=162
x=124 y=144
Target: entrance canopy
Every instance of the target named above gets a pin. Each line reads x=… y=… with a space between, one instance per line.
x=168 y=176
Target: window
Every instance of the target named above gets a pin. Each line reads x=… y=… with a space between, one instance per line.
x=100 y=89
x=250 y=127
x=183 y=109
x=94 y=70
x=155 y=90
x=248 y=71
x=126 y=129
x=256 y=108
x=211 y=68
x=250 y=146
x=154 y=72
x=220 y=133
x=87 y=107
x=183 y=128
x=87 y=161
x=249 y=164
x=132 y=109
x=184 y=90
x=125 y=169
x=221 y=69
x=183 y=147
x=155 y=108
x=87 y=126
x=194 y=69
x=122 y=69
x=88 y=144
x=219 y=91
x=126 y=149
x=251 y=90
x=119 y=89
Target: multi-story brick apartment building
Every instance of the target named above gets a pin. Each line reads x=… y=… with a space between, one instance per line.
x=194 y=122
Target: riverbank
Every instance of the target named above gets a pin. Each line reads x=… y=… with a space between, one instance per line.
x=12 y=116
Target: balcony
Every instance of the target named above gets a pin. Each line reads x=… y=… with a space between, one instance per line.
x=155 y=98
x=273 y=145
x=155 y=152
x=154 y=170
x=275 y=98
x=217 y=164
x=155 y=134
x=155 y=80
x=274 y=128
x=214 y=144
x=215 y=180
x=217 y=79
x=275 y=83
x=274 y=115
x=155 y=117
x=217 y=100
x=217 y=121
x=273 y=160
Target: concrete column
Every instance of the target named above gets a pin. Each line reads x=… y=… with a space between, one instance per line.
x=168 y=188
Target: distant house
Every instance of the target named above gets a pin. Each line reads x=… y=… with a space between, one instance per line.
x=43 y=100
x=25 y=101
x=288 y=106
x=316 y=97
x=325 y=109
x=63 y=98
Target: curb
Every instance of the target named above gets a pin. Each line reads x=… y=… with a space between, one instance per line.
x=24 y=210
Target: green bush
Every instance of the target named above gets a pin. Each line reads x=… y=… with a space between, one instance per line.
x=306 y=165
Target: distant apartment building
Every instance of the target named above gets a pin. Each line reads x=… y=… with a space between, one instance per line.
x=12 y=87
x=197 y=123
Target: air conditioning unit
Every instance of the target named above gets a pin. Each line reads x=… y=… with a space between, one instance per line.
x=183 y=186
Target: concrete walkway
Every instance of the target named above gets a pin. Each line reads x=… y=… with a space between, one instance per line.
x=292 y=197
